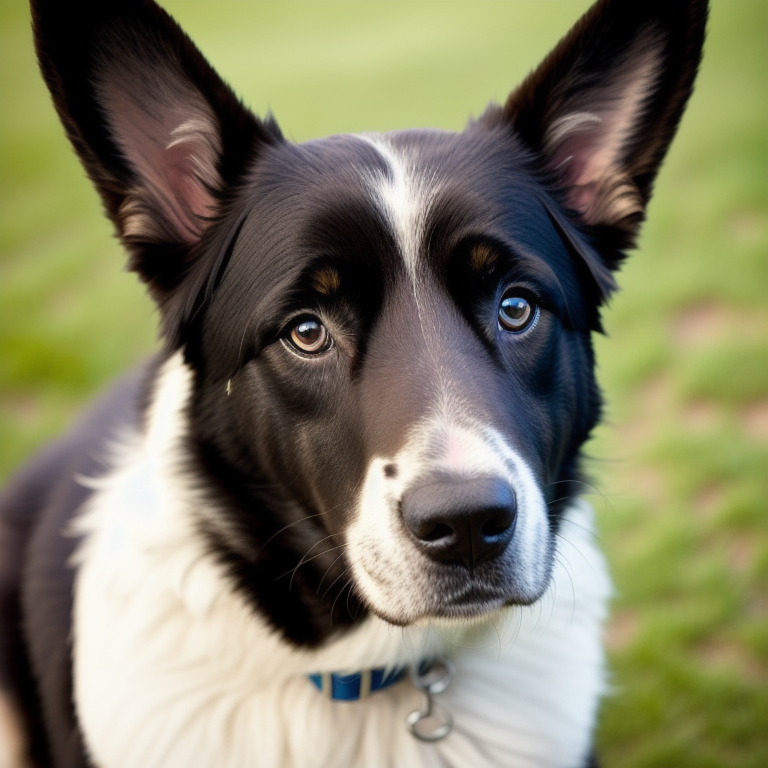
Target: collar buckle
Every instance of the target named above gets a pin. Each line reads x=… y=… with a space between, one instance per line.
x=430 y=723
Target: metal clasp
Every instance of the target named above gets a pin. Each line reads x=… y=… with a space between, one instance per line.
x=432 y=722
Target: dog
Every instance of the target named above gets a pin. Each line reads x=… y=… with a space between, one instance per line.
x=336 y=520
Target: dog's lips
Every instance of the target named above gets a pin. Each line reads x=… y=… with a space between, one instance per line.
x=463 y=612
x=473 y=598
x=465 y=597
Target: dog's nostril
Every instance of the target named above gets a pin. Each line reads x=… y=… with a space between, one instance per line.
x=436 y=532
x=499 y=523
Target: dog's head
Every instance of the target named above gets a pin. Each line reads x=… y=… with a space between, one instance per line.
x=389 y=334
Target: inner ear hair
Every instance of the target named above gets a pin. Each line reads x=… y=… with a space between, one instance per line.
x=588 y=146
x=170 y=139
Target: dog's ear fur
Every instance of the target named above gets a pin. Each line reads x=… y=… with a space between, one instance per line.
x=159 y=133
x=603 y=107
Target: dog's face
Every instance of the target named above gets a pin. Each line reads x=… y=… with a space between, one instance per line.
x=392 y=333
x=417 y=367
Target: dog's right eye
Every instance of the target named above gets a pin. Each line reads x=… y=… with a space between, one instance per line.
x=310 y=337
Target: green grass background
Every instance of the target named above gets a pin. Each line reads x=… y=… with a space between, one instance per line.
x=681 y=466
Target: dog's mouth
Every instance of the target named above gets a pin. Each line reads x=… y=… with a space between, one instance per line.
x=473 y=605
x=473 y=601
x=413 y=591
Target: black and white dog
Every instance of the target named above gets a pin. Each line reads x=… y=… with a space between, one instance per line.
x=358 y=453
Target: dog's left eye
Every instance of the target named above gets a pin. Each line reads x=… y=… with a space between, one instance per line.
x=517 y=313
x=310 y=336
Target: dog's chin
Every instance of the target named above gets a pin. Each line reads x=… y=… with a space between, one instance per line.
x=474 y=605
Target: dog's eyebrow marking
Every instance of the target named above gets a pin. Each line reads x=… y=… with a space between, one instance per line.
x=405 y=196
x=326 y=280
x=482 y=257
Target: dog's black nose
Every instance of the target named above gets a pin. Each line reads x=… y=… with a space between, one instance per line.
x=467 y=522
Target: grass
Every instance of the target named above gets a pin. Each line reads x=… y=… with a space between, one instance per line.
x=682 y=463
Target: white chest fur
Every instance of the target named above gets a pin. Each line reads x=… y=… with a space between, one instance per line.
x=172 y=668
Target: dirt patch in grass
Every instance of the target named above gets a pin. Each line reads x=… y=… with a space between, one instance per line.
x=621 y=630
x=758 y=606
x=652 y=399
x=697 y=325
x=701 y=324
x=700 y=416
x=754 y=421
x=655 y=394
x=650 y=485
x=708 y=500
x=25 y=409
x=741 y=553
x=720 y=654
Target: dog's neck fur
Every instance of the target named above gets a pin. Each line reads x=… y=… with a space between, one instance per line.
x=224 y=678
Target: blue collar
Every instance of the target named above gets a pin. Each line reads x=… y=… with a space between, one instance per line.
x=358 y=685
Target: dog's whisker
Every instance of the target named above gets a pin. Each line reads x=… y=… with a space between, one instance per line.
x=578 y=551
x=331 y=585
x=309 y=560
x=349 y=594
x=304 y=556
x=567 y=570
x=333 y=604
x=592 y=489
x=498 y=638
x=283 y=529
x=346 y=587
x=590 y=531
x=518 y=617
x=306 y=559
x=328 y=569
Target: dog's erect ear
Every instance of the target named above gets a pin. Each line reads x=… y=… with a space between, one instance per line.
x=159 y=133
x=603 y=107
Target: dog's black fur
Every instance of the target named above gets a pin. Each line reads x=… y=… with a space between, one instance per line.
x=241 y=247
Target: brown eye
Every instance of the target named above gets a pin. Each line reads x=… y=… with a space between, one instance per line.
x=310 y=336
x=517 y=313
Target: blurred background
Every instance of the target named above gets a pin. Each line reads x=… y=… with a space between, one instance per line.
x=681 y=466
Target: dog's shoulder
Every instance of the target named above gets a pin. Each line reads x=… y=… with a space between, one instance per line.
x=36 y=581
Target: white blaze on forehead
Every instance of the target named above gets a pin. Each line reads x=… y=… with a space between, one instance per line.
x=404 y=193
